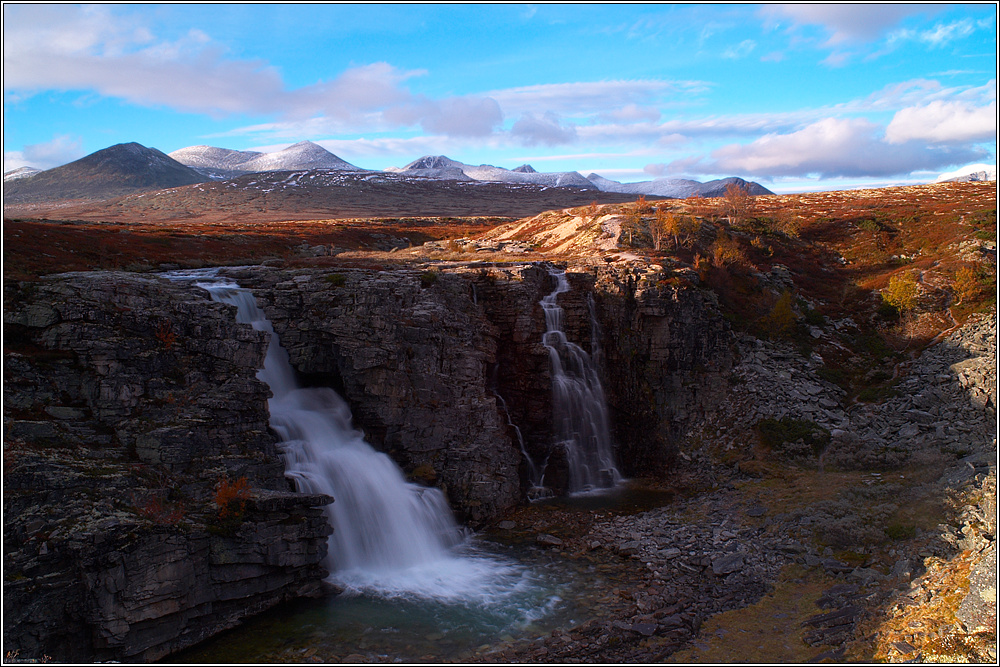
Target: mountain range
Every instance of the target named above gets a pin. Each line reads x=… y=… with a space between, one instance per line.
x=131 y=167
x=128 y=168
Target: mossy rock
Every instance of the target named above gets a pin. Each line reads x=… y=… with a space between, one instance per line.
x=424 y=474
x=795 y=438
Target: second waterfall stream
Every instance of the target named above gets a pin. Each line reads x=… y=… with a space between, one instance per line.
x=391 y=537
x=580 y=411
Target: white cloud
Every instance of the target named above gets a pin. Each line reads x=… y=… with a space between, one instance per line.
x=631 y=113
x=59 y=151
x=943 y=122
x=831 y=147
x=13 y=160
x=938 y=36
x=356 y=92
x=741 y=50
x=571 y=99
x=846 y=23
x=89 y=48
x=546 y=130
x=454 y=116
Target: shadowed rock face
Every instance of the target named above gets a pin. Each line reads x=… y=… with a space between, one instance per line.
x=130 y=399
x=422 y=365
x=127 y=400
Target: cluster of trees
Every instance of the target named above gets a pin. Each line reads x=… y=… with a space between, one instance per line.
x=662 y=225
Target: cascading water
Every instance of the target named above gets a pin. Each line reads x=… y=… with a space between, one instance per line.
x=391 y=538
x=580 y=413
x=536 y=474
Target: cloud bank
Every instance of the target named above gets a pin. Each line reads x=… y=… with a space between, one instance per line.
x=95 y=49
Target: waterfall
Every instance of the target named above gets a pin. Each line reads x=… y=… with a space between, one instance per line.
x=536 y=476
x=580 y=413
x=390 y=537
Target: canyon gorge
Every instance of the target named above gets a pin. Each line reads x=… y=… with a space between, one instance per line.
x=162 y=485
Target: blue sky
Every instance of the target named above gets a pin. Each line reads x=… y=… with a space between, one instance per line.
x=797 y=97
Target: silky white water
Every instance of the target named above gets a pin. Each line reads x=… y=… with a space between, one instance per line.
x=580 y=413
x=391 y=538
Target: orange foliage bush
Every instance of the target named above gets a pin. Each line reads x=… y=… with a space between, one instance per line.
x=157 y=511
x=165 y=334
x=231 y=497
x=726 y=251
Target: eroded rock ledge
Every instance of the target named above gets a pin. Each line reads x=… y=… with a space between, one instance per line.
x=130 y=401
x=127 y=400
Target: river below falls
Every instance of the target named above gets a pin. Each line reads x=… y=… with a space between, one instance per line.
x=542 y=589
x=545 y=593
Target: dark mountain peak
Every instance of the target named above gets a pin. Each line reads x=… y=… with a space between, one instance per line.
x=717 y=188
x=433 y=162
x=525 y=169
x=109 y=172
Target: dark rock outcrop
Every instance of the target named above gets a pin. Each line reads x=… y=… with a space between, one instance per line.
x=131 y=403
x=128 y=402
x=439 y=367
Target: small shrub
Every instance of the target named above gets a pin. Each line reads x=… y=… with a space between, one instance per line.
x=231 y=498
x=165 y=334
x=901 y=293
x=813 y=317
x=781 y=320
x=726 y=251
x=835 y=376
x=887 y=312
x=336 y=279
x=877 y=394
x=899 y=531
x=737 y=203
x=971 y=284
x=156 y=510
x=782 y=435
x=869 y=226
x=428 y=278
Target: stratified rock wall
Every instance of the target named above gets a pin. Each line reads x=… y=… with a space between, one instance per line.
x=126 y=401
x=667 y=357
x=437 y=366
x=130 y=399
x=410 y=354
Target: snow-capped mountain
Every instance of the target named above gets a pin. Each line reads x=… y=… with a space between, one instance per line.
x=222 y=163
x=434 y=166
x=303 y=155
x=677 y=187
x=439 y=166
x=974 y=172
x=20 y=172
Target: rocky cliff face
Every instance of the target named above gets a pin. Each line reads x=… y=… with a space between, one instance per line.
x=440 y=368
x=410 y=354
x=131 y=404
x=127 y=402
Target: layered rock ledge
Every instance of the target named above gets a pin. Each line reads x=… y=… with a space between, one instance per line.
x=128 y=401
x=132 y=408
